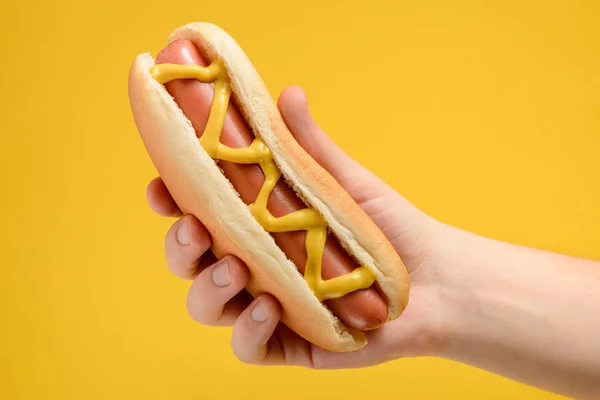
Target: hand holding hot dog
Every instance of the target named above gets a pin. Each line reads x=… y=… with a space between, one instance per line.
x=216 y=296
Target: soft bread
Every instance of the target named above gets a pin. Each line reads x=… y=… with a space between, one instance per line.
x=199 y=188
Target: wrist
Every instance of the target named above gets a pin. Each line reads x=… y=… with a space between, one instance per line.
x=471 y=290
x=519 y=312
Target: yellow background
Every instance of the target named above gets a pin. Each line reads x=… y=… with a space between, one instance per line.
x=484 y=114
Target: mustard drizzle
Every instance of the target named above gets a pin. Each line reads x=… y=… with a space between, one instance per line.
x=258 y=153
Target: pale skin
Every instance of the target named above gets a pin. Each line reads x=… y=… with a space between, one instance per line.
x=529 y=315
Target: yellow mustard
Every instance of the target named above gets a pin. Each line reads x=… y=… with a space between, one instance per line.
x=258 y=153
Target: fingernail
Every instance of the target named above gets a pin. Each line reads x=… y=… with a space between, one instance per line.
x=259 y=312
x=220 y=274
x=182 y=234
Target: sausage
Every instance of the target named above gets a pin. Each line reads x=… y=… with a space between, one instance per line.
x=363 y=309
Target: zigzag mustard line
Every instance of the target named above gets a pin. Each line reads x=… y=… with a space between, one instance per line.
x=258 y=153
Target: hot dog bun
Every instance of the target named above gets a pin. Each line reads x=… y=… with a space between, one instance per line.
x=199 y=188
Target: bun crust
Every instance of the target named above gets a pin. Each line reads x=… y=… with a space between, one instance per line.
x=200 y=188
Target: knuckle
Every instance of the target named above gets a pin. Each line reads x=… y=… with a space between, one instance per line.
x=241 y=344
x=179 y=271
x=196 y=311
x=183 y=261
x=205 y=303
x=170 y=237
x=243 y=354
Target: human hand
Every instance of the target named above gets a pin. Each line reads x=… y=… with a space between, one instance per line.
x=217 y=295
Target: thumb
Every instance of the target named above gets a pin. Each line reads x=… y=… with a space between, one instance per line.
x=400 y=221
x=360 y=183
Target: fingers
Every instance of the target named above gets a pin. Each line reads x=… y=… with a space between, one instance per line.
x=186 y=241
x=160 y=199
x=253 y=330
x=215 y=297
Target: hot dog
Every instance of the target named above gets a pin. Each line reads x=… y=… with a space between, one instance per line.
x=363 y=309
x=169 y=105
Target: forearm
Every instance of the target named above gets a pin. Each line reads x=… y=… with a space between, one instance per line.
x=526 y=314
